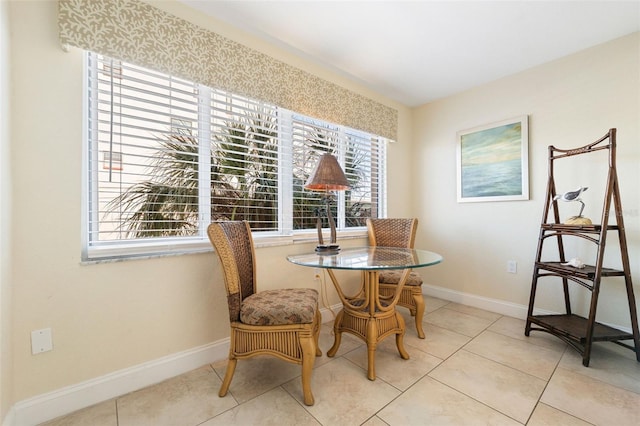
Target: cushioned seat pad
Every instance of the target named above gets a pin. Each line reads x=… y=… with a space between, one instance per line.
x=280 y=307
x=393 y=277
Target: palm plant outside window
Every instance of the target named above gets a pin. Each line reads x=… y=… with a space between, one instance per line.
x=166 y=156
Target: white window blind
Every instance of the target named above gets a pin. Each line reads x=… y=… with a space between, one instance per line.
x=244 y=168
x=166 y=156
x=149 y=123
x=360 y=157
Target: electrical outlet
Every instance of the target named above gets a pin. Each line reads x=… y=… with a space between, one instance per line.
x=41 y=341
x=512 y=266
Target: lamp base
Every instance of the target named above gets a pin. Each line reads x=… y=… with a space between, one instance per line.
x=328 y=249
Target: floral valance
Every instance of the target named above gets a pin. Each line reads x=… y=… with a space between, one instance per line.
x=137 y=32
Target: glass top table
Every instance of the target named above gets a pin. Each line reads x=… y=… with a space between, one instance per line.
x=367 y=314
x=368 y=258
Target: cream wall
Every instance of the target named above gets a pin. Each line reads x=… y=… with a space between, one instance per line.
x=110 y=316
x=570 y=102
x=6 y=370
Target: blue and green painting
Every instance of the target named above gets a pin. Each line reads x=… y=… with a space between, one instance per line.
x=491 y=162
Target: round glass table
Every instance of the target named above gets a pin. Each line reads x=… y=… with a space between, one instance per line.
x=367 y=314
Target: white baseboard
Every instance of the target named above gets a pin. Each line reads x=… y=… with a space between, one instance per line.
x=498 y=306
x=75 y=397
x=329 y=312
x=63 y=401
x=10 y=418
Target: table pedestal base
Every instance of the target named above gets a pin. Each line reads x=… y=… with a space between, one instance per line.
x=370 y=312
x=372 y=329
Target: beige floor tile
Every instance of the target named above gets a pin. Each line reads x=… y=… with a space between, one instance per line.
x=343 y=394
x=544 y=415
x=459 y=322
x=592 y=400
x=409 y=321
x=375 y=421
x=476 y=312
x=390 y=367
x=189 y=399
x=470 y=369
x=610 y=363
x=274 y=408
x=220 y=365
x=429 y=402
x=327 y=337
x=433 y=303
x=103 y=414
x=255 y=376
x=438 y=341
x=514 y=327
x=502 y=388
x=519 y=354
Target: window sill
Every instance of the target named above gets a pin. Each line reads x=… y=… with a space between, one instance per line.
x=123 y=252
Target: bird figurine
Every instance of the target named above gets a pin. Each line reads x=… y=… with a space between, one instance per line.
x=572 y=196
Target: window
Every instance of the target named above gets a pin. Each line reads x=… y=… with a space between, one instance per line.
x=166 y=156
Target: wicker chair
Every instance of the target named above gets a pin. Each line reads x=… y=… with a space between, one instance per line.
x=399 y=233
x=284 y=323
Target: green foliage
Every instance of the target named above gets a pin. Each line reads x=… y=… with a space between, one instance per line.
x=167 y=203
x=244 y=183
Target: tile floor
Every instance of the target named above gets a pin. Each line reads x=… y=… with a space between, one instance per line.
x=474 y=367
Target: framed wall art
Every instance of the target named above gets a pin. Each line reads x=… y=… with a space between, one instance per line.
x=493 y=162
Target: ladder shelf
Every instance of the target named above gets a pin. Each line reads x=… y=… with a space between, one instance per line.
x=580 y=332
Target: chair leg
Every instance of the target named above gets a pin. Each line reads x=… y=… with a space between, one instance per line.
x=316 y=332
x=307 y=343
x=337 y=331
x=228 y=375
x=400 y=337
x=419 y=302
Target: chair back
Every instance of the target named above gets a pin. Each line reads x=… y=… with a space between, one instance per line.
x=233 y=244
x=392 y=232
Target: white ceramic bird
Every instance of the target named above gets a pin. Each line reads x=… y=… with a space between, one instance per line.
x=572 y=196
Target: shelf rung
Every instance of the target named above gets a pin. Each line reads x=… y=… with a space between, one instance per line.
x=575 y=327
x=587 y=273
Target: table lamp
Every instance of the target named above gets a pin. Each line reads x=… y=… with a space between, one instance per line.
x=327 y=176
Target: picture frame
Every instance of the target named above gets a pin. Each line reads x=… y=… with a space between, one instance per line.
x=493 y=161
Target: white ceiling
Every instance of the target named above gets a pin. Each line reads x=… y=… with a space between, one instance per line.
x=418 y=51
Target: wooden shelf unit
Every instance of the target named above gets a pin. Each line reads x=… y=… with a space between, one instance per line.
x=577 y=331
